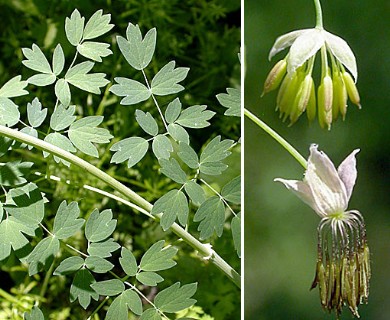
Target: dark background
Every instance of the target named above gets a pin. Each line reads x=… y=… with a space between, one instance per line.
x=280 y=230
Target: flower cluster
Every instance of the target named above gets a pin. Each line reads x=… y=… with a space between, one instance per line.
x=293 y=76
x=343 y=264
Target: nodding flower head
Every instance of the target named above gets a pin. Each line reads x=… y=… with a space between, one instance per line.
x=343 y=263
x=293 y=76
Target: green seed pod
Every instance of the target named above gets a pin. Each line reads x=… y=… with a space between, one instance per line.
x=275 y=76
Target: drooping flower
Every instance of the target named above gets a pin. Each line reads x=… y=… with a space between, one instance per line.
x=294 y=76
x=343 y=264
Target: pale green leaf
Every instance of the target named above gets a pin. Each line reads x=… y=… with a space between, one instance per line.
x=166 y=81
x=62 y=92
x=178 y=133
x=9 y=112
x=213 y=168
x=132 y=91
x=62 y=117
x=195 y=117
x=103 y=249
x=176 y=298
x=35 y=114
x=58 y=60
x=128 y=300
x=35 y=314
x=236 y=232
x=108 y=287
x=149 y=278
x=98 y=265
x=42 y=79
x=146 y=122
x=128 y=262
x=173 y=110
x=172 y=204
x=26 y=204
x=158 y=258
x=211 y=213
x=232 y=191
x=81 y=288
x=97 y=25
x=66 y=221
x=132 y=149
x=36 y=60
x=31 y=132
x=43 y=255
x=232 y=101
x=61 y=141
x=100 y=226
x=94 y=50
x=188 y=155
x=5 y=144
x=216 y=150
x=74 y=27
x=150 y=314
x=195 y=192
x=137 y=51
x=83 y=133
x=68 y=266
x=12 y=173
x=162 y=147
x=171 y=168
x=13 y=88
x=79 y=77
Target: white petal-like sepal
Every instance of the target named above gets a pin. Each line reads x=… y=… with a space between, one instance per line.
x=341 y=50
x=285 y=41
x=348 y=173
x=303 y=48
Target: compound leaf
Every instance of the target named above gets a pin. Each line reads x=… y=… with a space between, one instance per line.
x=81 y=288
x=236 y=232
x=62 y=142
x=108 y=287
x=74 y=27
x=13 y=88
x=83 y=133
x=188 y=155
x=12 y=173
x=211 y=213
x=137 y=51
x=62 y=91
x=58 y=60
x=43 y=255
x=103 y=249
x=146 y=122
x=195 y=117
x=232 y=191
x=62 y=117
x=9 y=112
x=36 y=60
x=213 y=168
x=176 y=298
x=150 y=314
x=97 y=25
x=232 y=101
x=42 y=79
x=94 y=50
x=128 y=262
x=98 y=265
x=173 y=110
x=216 y=150
x=172 y=204
x=166 y=81
x=69 y=265
x=132 y=149
x=99 y=226
x=132 y=91
x=162 y=147
x=195 y=192
x=158 y=258
x=171 y=168
x=35 y=114
x=149 y=278
x=127 y=300
x=178 y=133
x=66 y=222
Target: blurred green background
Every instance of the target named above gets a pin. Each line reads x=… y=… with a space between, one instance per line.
x=280 y=230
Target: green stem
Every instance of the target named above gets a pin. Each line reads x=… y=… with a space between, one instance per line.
x=203 y=249
x=291 y=150
x=317 y=5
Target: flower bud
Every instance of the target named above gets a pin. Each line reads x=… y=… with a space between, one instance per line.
x=351 y=89
x=275 y=76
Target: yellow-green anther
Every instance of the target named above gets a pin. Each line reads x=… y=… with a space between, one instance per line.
x=301 y=99
x=339 y=96
x=323 y=99
x=322 y=284
x=275 y=76
x=311 y=108
x=351 y=88
x=287 y=98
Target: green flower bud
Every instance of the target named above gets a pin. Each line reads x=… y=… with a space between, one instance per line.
x=275 y=76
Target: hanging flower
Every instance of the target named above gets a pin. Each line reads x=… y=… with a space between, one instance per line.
x=294 y=76
x=343 y=263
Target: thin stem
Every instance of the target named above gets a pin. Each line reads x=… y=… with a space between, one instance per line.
x=203 y=249
x=317 y=5
x=291 y=150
